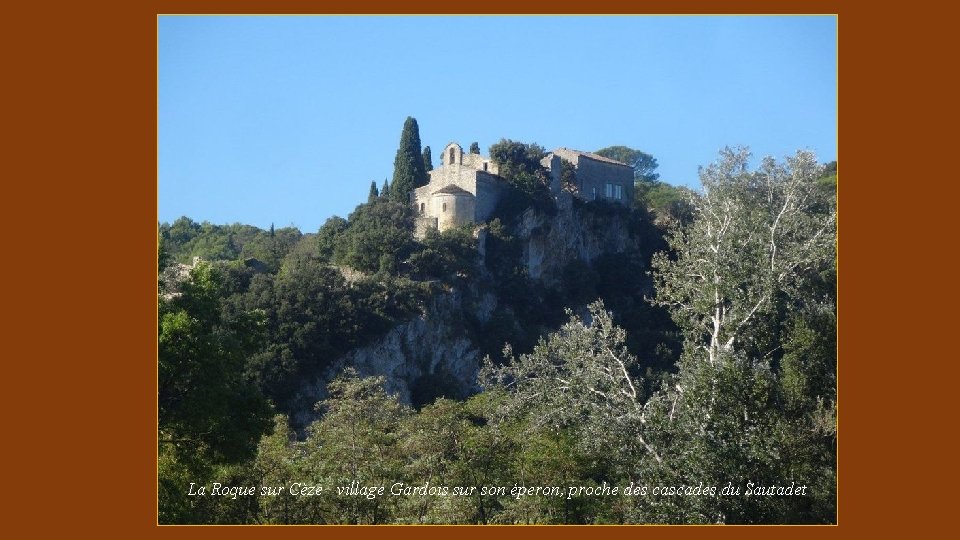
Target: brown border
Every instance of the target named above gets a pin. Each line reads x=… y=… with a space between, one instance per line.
x=83 y=112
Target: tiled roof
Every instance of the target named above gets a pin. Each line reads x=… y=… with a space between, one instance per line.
x=590 y=155
x=452 y=189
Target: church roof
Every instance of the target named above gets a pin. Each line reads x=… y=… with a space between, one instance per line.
x=452 y=189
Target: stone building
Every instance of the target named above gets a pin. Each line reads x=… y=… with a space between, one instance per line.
x=597 y=177
x=465 y=188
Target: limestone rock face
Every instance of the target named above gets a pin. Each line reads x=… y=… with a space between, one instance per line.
x=552 y=242
x=436 y=346
x=433 y=344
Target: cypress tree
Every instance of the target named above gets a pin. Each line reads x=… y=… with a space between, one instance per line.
x=373 y=191
x=403 y=183
x=385 y=191
x=408 y=171
x=427 y=160
x=475 y=148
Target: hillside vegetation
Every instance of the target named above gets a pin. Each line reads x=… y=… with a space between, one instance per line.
x=692 y=343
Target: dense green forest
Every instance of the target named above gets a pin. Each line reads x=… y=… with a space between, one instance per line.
x=705 y=357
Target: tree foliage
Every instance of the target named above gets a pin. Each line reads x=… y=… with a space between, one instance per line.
x=739 y=386
x=519 y=164
x=185 y=239
x=205 y=404
x=360 y=422
x=580 y=378
x=377 y=236
x=568 y=176
x=452 y=252
x=209 y=413
x=644 y=165
x=408 y=167
x=744 y=284
x=669 y=205
x=328 y=236
x=427 y=160
x=755 y=236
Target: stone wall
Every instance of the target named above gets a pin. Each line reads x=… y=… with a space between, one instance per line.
x=452 y=209
x=480 y=163
x=489 y=190
x=452 y=155
x=594 y=173
x=458 y=175
x=422 y=223
x=472 y=173
x=554 y=164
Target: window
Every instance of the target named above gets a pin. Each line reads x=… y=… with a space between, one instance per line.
x=484 y=165
x=452 y=155
x=422 y=207
x=594 y=193
x=445 y=204
x=609 y=191
x=618 y=192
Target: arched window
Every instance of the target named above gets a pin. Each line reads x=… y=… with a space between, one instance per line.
x=445 y=204
x=452 y=154
x=422 y=207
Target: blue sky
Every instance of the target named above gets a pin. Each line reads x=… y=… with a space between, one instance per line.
x=286 y=120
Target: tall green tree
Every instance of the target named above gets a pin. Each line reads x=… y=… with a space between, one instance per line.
x=519 y=164
x=427 y=159
x=582 y=378
x=515 y=157
x=374 y=193
x=278 y=464
x=408 y=168
x=451 y=443
x=183 y=230
x=358 y=439
x=206 y=405
x=744 y=284
x=328 y=235
x=385 y=190
x=378 y=236
x=828 y=182
x=163 y=255
x=445 y=254
x=577 y=408
x=209 y=413
x=755 y=236
x=475 y=148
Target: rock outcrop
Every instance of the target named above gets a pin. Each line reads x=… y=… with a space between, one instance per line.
x=429 y=349
x=573 y=233
x=436 y=348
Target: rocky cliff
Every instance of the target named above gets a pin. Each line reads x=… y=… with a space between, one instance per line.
x=435 y=353
x=577 y=231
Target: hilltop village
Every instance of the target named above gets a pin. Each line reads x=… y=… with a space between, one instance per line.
x=467 y=187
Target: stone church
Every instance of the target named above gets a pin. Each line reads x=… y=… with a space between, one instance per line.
x=466 y=187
